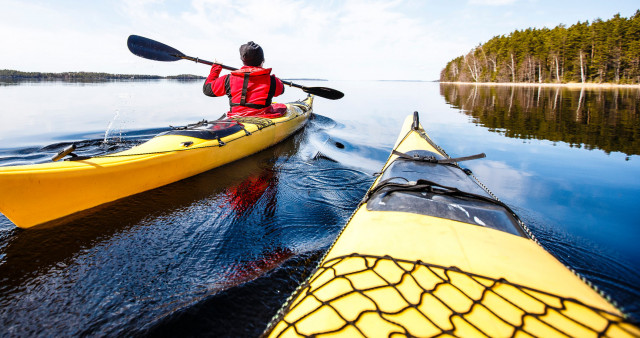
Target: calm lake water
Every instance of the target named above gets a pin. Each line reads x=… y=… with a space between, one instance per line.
x=204 y=256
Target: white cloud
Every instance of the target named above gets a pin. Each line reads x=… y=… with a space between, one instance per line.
x=492 y=2
x=501 y=179
x=358 y=39
x=355 y=39
x=337 y=40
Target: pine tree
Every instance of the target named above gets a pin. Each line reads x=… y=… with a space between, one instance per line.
x=601 y=51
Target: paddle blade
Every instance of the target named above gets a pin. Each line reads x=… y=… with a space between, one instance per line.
x=151 y=49
x=327 y=93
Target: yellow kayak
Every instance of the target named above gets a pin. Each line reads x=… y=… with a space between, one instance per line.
x=431 y=252
x=48 y=193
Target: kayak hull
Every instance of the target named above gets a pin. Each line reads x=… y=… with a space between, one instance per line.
x=415 y=274
x=32 y=195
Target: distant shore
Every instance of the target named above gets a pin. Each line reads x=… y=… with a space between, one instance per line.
x=88 y=76
x=566 y=85
x=15 y=75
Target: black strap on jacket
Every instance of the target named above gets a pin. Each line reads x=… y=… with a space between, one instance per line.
x=272 y=89
x=245 y=87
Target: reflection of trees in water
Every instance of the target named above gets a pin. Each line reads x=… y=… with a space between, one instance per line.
x=607 y=119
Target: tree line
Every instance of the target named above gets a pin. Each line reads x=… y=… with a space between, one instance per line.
x=598 y=52
x=86 y=76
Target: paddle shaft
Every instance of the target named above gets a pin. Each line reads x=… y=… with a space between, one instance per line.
x=154 y=50
x=198 y=60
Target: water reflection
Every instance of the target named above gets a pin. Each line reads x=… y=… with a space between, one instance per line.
x=194 y=259
x=129 y=265
x=606 y=119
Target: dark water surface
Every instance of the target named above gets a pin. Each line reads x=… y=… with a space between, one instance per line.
x=216 y=254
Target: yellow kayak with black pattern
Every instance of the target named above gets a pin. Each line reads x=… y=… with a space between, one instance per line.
x=431 y=252
x=50 y=193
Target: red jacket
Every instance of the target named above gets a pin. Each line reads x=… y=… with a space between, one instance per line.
x=257 y=83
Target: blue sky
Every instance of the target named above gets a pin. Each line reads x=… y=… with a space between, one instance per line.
x=338 y=40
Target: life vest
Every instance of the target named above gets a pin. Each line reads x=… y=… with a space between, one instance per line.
x=251 y=90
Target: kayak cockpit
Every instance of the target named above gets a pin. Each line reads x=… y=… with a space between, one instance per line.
x=208 y=130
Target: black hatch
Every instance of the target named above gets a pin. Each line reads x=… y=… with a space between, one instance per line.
x=440 y=190
x=207 y=130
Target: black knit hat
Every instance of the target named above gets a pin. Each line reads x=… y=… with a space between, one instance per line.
x=251 y=54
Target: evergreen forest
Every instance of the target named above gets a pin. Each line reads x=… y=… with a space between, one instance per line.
x=597 y=52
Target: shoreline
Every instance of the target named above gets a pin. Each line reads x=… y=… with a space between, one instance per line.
x=566 y=85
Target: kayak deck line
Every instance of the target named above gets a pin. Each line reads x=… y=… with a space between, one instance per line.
x=262 y=123
x=405 y=264
x=49 y=193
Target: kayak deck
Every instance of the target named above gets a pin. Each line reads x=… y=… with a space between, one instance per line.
x=45 y=193
x=426 y=269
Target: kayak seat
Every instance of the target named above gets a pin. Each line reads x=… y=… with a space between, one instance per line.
x=450 y=193
x=207 y=130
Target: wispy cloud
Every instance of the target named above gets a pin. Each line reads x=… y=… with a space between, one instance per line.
x=504 y=181
x=357 y=39
x=370 y=38
x=492 y=2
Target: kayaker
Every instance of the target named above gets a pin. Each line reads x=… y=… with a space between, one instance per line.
x=250 y=89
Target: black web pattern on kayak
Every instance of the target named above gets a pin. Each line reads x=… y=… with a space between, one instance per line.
x=406 y=298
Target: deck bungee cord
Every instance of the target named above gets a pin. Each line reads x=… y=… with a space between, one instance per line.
x=259 y=122
x=473 y=289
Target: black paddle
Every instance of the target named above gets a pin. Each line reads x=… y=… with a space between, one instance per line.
x=154 y=50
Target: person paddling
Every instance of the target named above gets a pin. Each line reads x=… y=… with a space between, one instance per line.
x=250 y=89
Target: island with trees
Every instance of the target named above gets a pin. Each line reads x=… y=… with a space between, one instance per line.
x=597 y=52
x=8 y=75
x=14 y=75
